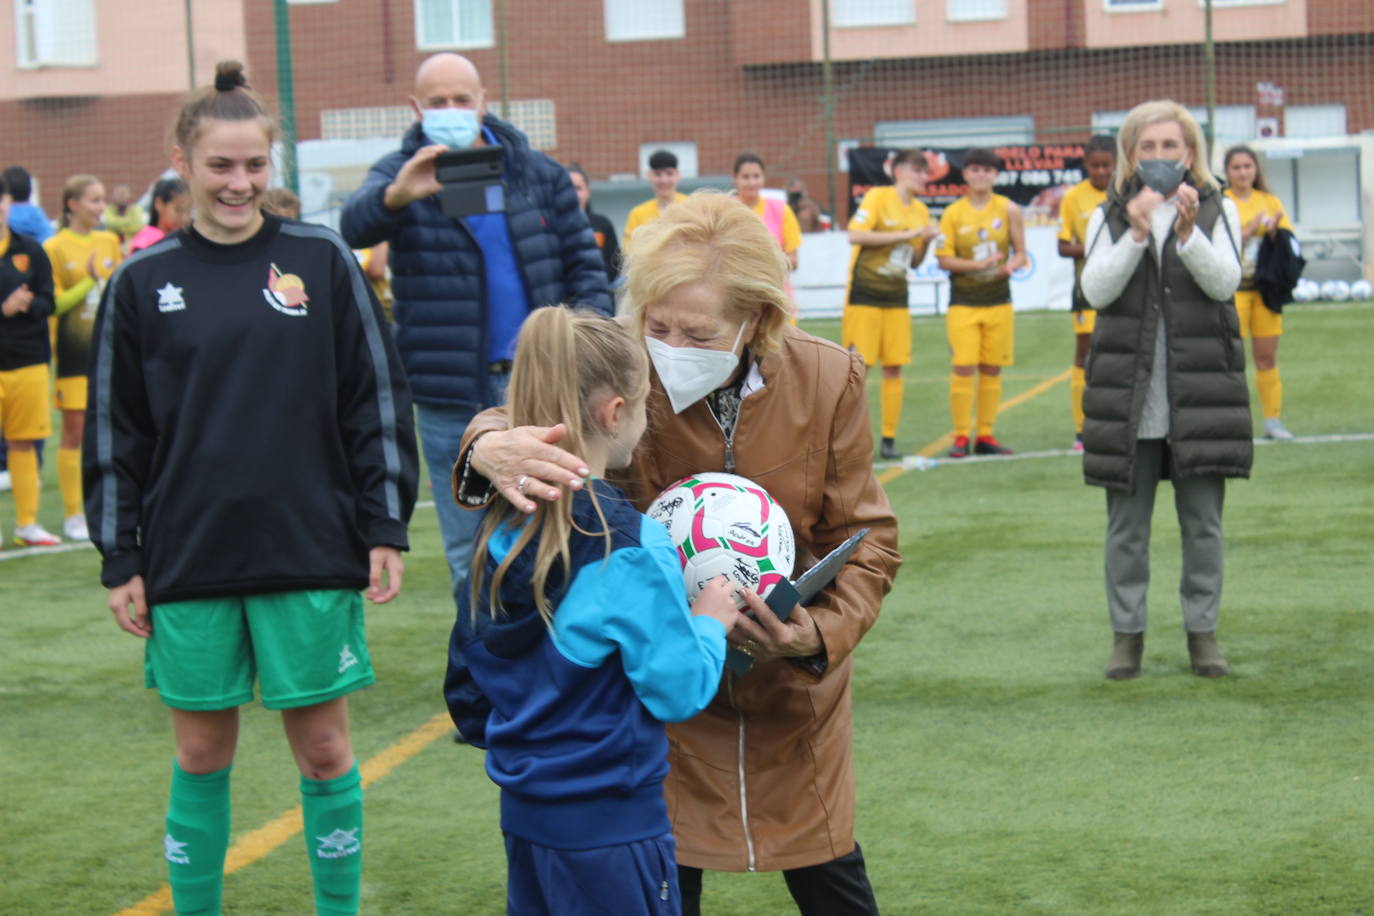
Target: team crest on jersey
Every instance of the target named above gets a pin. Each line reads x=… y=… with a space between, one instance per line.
x=285 y=292
x=997 y=224
x=20 y=262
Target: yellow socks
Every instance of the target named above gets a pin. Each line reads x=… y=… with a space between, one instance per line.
x=961 y=403
x=24 y=480
x=892 y=406
x=989 y=399
x=1270 y=391
x=69 y=479
x=1077 y=382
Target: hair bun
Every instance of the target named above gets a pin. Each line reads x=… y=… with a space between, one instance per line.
x=229 y=76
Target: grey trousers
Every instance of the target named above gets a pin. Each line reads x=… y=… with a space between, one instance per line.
x=1197 y=500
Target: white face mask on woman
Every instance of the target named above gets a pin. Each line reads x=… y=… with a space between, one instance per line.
x=689 y=374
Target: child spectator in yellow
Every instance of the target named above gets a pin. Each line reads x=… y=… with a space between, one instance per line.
x=889 y=232
x=983 y=242
x=1261 y=214
x=1099 y=161
x=83 y=257
x=25 y=304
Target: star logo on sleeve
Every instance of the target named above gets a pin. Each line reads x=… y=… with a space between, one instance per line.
x=169 y=299
x=339 y=844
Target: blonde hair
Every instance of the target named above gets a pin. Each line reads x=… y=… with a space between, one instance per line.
x=710 y=238
x=1160 y=111
x=566 y=362
x=73 y=189
x=281 y=202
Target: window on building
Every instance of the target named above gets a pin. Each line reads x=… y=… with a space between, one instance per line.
x=1314 y=121
x=1217 y=3
x=644 y=20
x=54 y=33
x=1117 y=6
x=974 y=10
x=1008 y=130
x=443 y=24
x=872 y=12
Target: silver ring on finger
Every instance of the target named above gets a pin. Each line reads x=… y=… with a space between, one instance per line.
x=520 y=484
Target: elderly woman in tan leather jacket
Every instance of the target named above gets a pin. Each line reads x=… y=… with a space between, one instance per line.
x=763 y=779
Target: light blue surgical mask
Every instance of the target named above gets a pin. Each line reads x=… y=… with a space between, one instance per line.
x=456 y=128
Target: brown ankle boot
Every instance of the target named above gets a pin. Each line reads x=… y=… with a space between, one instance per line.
x=1205 y=655
x=1124 y=663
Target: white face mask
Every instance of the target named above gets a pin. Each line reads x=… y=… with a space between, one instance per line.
x=689 y=374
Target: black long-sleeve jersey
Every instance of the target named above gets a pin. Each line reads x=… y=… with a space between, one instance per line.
x=24 y=336
x=249 y=427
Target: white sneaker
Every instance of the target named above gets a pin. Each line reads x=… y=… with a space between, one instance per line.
x=34 y=536
x=4 y=481
x=1274 y=429
x=74 y=528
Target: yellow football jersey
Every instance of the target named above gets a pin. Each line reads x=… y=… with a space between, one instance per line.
x=1259 y=202
x=1075 y=210
x=877 y=273
x=646 y=212
x=70 y=252
x=974 y=235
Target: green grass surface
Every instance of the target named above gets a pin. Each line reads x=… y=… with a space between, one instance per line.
x=998 y=772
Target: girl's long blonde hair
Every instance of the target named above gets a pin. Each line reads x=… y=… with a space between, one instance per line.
x=566 y=362
x=1157 y=112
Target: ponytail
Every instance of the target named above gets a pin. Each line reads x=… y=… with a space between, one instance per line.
x=565 y=362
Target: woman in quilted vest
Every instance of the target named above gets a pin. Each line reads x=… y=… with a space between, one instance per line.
x=1166 y=396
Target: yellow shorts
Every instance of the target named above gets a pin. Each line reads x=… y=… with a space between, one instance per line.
x=71 y=393
x=882 y=336
x=1084 y=321
x=1256 y=320
x=981 y=335
x=24 y=414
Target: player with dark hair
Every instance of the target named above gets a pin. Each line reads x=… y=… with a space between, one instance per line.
x=26 y=302
x=1076 y=208
x=1261 y=215
x=983 y=242
x=234 y=556
x=171 y=209
x=26 y=218
x=602 y=228
x=889 y=233
x=663 y=175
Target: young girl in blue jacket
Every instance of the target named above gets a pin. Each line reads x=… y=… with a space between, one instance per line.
x=574 y=644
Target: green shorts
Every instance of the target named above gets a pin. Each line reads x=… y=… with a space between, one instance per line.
x=304 y=647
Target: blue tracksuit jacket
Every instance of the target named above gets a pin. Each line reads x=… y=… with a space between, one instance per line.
x=571 y=716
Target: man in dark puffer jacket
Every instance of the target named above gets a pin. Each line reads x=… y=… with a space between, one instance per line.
x=463 y=286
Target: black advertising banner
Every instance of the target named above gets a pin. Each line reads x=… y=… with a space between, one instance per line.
x=1035 y=177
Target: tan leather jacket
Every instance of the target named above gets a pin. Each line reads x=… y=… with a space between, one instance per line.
x=763 y=779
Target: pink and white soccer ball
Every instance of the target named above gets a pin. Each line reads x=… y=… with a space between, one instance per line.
x=725 y=524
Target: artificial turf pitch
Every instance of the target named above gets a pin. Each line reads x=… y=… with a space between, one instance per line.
x=998 y=772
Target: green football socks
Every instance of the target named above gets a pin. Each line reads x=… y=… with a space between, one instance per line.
x=196 y=839
x=333 y=813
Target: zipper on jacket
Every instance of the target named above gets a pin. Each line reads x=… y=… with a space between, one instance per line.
x=729 y=439
x=743 y=795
